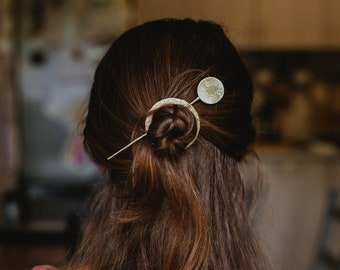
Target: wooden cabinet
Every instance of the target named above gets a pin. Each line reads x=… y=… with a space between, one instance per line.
x=260 y=24
x=154 y=9
x=292 y=23
x=237 y=18
x=330 y=24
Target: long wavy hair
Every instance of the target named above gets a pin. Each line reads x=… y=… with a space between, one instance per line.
x=164 y=206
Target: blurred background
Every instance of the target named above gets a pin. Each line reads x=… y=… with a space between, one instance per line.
x=48 y=52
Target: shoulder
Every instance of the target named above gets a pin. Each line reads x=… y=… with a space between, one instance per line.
x=44 y=267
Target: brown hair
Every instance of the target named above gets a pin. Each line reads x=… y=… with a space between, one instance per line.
x=164 y=207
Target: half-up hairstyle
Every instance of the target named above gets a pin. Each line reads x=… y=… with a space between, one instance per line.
x=164 y=206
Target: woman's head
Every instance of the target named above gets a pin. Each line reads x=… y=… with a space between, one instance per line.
x=163 y=59
x=166 y=206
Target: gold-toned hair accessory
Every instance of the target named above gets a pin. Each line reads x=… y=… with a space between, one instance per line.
x=210 y=90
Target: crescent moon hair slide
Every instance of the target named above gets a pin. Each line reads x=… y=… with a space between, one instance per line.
x=210 y=90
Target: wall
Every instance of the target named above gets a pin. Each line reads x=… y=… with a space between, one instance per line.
x=292 y=208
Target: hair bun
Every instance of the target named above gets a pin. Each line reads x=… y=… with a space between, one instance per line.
x=173 y=127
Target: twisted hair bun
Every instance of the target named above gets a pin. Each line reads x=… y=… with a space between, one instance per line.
x=172 y=129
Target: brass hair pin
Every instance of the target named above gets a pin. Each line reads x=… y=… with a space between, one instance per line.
x=210 y=90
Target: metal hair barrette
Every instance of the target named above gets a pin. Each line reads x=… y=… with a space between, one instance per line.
x=210 y=90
